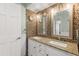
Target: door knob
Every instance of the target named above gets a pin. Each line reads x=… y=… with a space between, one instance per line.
x=18 y=38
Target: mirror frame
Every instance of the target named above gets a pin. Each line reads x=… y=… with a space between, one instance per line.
x=41 y=13
x=70 y=26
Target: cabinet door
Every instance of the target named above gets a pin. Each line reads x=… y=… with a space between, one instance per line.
x=32 y=48
x=56 y=52
x=42 y=50
x=39 y=49
x=36 y=48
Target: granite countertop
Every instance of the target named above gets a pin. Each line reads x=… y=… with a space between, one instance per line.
x=71 y=46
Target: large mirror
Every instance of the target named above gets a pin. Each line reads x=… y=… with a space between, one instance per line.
x=62 y=22
x=42 y=24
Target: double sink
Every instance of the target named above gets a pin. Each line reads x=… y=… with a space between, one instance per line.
x=54 y=42
x=58 y=43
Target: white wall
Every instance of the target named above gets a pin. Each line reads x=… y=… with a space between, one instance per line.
x=23 y=32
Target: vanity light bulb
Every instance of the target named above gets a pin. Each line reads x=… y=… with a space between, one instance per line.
x=69 y=7
x=37 y=16
x=52 y=11
x=30 y=18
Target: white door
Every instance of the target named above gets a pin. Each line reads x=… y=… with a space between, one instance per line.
x=10 y=49
x=10 y=28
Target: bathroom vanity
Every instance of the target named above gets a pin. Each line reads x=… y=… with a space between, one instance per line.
x=42 y=46
x=55 y=32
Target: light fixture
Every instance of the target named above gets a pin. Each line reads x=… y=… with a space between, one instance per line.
x=53 y=10
x=39 y=17
x=31 y=18
x=44 y=14
x=69 y=7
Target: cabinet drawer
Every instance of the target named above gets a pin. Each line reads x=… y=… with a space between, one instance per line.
x=33 y=49
x=56 y=52
x=39 y=49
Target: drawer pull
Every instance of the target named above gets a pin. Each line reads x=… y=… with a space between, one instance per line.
x=39 y=50
x=34 y=47
x=39 y=45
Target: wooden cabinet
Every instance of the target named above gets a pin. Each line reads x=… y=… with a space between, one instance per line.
x=38 y=49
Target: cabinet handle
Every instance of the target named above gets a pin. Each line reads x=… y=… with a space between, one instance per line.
x=34 y=47
x=39 y=45
x=39 y=50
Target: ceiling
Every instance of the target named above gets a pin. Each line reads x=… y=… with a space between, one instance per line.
x=36 y=7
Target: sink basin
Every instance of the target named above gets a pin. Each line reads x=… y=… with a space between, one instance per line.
x=58 y=43
x=37 y=38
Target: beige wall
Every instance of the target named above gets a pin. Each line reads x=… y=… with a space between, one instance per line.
x=31 y=23
x=75 y=19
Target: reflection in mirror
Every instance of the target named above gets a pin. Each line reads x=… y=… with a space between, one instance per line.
x=42 y=25
x=61 y=22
